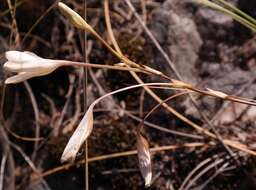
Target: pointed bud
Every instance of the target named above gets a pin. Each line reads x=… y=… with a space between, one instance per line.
x=144 y=158
x=74 y=17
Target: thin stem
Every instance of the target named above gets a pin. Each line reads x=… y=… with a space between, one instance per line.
x=38 y=21
x=100 y=66
x=125 y=59
x=85 y=83
x=36 y=114
x=120 y=154
x=158 y=105
x=192 y=172
x=129 y=88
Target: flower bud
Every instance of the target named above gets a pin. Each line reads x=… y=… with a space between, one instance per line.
x=74 y=17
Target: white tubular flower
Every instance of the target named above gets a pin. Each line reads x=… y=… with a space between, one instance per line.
x=28 y=65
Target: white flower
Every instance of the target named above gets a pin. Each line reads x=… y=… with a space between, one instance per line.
x=28 y=65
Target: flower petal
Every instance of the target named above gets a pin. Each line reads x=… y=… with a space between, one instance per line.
x=19 y=56
x=40 y=66
x=29 y=62
x=81 y=133
x=19 y=78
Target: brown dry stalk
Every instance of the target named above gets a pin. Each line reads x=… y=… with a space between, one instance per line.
x=117 y=155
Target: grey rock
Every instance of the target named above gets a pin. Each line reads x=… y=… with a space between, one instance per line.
x=177 y=33
x=227 y=79
x=215 y=17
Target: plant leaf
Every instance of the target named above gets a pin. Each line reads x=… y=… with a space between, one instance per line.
x=20 y=77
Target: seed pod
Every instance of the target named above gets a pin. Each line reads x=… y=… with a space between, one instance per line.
x=144 y=158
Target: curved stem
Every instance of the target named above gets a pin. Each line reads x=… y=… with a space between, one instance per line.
x=129 y=88
x=158 y=105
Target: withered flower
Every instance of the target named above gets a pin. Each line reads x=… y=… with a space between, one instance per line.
x=144 y=158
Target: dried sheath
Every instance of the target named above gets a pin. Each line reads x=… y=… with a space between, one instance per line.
x=81 y=133
x=144 y=158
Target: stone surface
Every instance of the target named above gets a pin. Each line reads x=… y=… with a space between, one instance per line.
x=215 y=17
x=177 y=33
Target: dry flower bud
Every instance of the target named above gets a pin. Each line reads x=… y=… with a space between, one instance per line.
x=81 y=133
x=28 y=65
x=179 y=84
x=144 y=159
x=217 y=93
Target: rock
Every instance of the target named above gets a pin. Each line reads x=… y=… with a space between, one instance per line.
x=213 y=24
x=215 y=17
x=177 y=34
x=228 y=79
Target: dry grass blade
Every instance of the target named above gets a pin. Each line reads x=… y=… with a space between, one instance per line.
x=27 y=34
x=144 y=158
x=36 y=113
x=121 y=154
x=212 y=165
x=192 y=172
x=160 y=128
x=82 y=132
